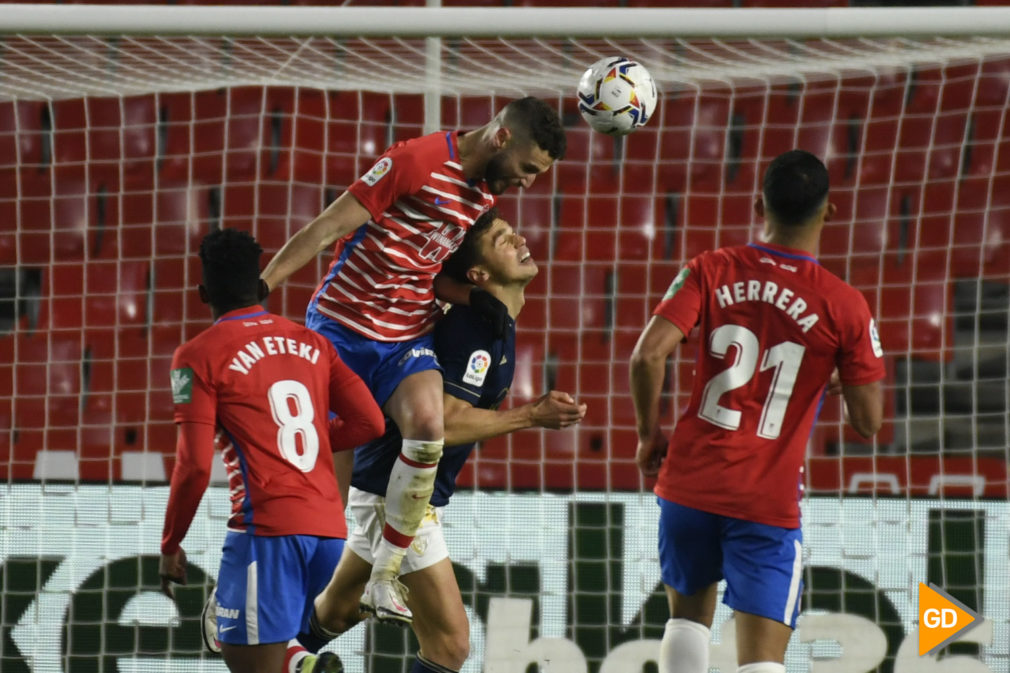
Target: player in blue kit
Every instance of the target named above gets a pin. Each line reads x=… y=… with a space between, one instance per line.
x=478 y=374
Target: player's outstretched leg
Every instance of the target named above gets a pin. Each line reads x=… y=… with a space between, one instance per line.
x=411 y=483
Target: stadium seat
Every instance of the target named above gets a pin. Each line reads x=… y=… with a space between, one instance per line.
x=924 y=90
x=115 y=136
x=572 y=217
x=701 y=211
x=246 y=124
x=278 y=136
x=407 y=115
x=206 y=128
x=644 y=144
x=745 y=138
x=572 y=177
x=533 y=219
x=300 y=155
x=708 y=145
x=915 y=313
x=599 y=233
x=817 y=116
x=994 y=82
x=270 y=211
x=637 y=228
x=468 y=112
x=176 y=113
x=21 y=139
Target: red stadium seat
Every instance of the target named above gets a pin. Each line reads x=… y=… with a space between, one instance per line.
x=748 y=132
x=303 y=129
x=914 y=313
x=818 y=110
x=407 y=115
x=644 y=144
x=708 y=148
x=21 y=139
x=994 y=82
x=211 y=135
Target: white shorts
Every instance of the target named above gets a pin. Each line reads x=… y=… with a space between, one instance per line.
x=427 y=549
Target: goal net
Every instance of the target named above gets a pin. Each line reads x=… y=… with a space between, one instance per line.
x=120 y=147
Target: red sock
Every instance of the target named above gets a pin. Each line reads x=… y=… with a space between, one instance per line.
x=294 y=656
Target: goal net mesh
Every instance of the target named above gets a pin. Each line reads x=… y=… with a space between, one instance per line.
x=118 y=153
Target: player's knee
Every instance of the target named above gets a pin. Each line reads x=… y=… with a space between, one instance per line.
x=460 y=649
x=422 y=451
x=337 y=617
x=449 y=650
x=426 y=424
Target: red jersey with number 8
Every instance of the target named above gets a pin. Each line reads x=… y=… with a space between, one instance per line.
x=267 y=383
x=772 y=326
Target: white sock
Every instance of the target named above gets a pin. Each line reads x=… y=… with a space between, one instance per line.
x=762 y=667
x=410 y=485
x=685 y=647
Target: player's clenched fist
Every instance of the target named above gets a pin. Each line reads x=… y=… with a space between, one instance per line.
x=650 y=453
x=557 y=410
x=172 y=569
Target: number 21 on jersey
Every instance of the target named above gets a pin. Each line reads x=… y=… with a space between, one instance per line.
x=784 y=358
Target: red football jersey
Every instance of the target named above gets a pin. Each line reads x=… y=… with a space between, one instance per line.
x=772 y=326
x=380 y=281
x=266 y=384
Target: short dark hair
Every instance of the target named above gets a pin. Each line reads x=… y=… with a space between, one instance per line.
x=795 y=186
x=231 y=268
x=467 y=255
x=534 y=118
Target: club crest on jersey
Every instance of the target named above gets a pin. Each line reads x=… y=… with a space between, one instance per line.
x=182 y=385
x=476 y=368
x=377 y=172
x=442 y=242
x=875 y=339
x=677 y=283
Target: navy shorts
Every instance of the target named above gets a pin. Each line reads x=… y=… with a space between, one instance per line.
x=762 y=564
x=266 y=585
x=382 y=365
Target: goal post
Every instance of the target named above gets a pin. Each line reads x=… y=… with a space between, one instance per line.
x=129 y=132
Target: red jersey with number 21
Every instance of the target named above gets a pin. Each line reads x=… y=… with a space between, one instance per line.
x=267 y=383
x=772 y=326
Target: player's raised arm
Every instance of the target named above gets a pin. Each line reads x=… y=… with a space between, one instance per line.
x=465 y=423
x=340 y=218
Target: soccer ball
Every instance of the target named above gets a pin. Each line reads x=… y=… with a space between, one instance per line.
x=617 y=95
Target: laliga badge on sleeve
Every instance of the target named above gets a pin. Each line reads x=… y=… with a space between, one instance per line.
x=476 y=368
x=875 y=339
x=377 y=172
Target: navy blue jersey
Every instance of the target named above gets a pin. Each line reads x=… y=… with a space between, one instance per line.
x=478 y=369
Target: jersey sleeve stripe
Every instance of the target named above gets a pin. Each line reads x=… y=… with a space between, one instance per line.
x=467 y=394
